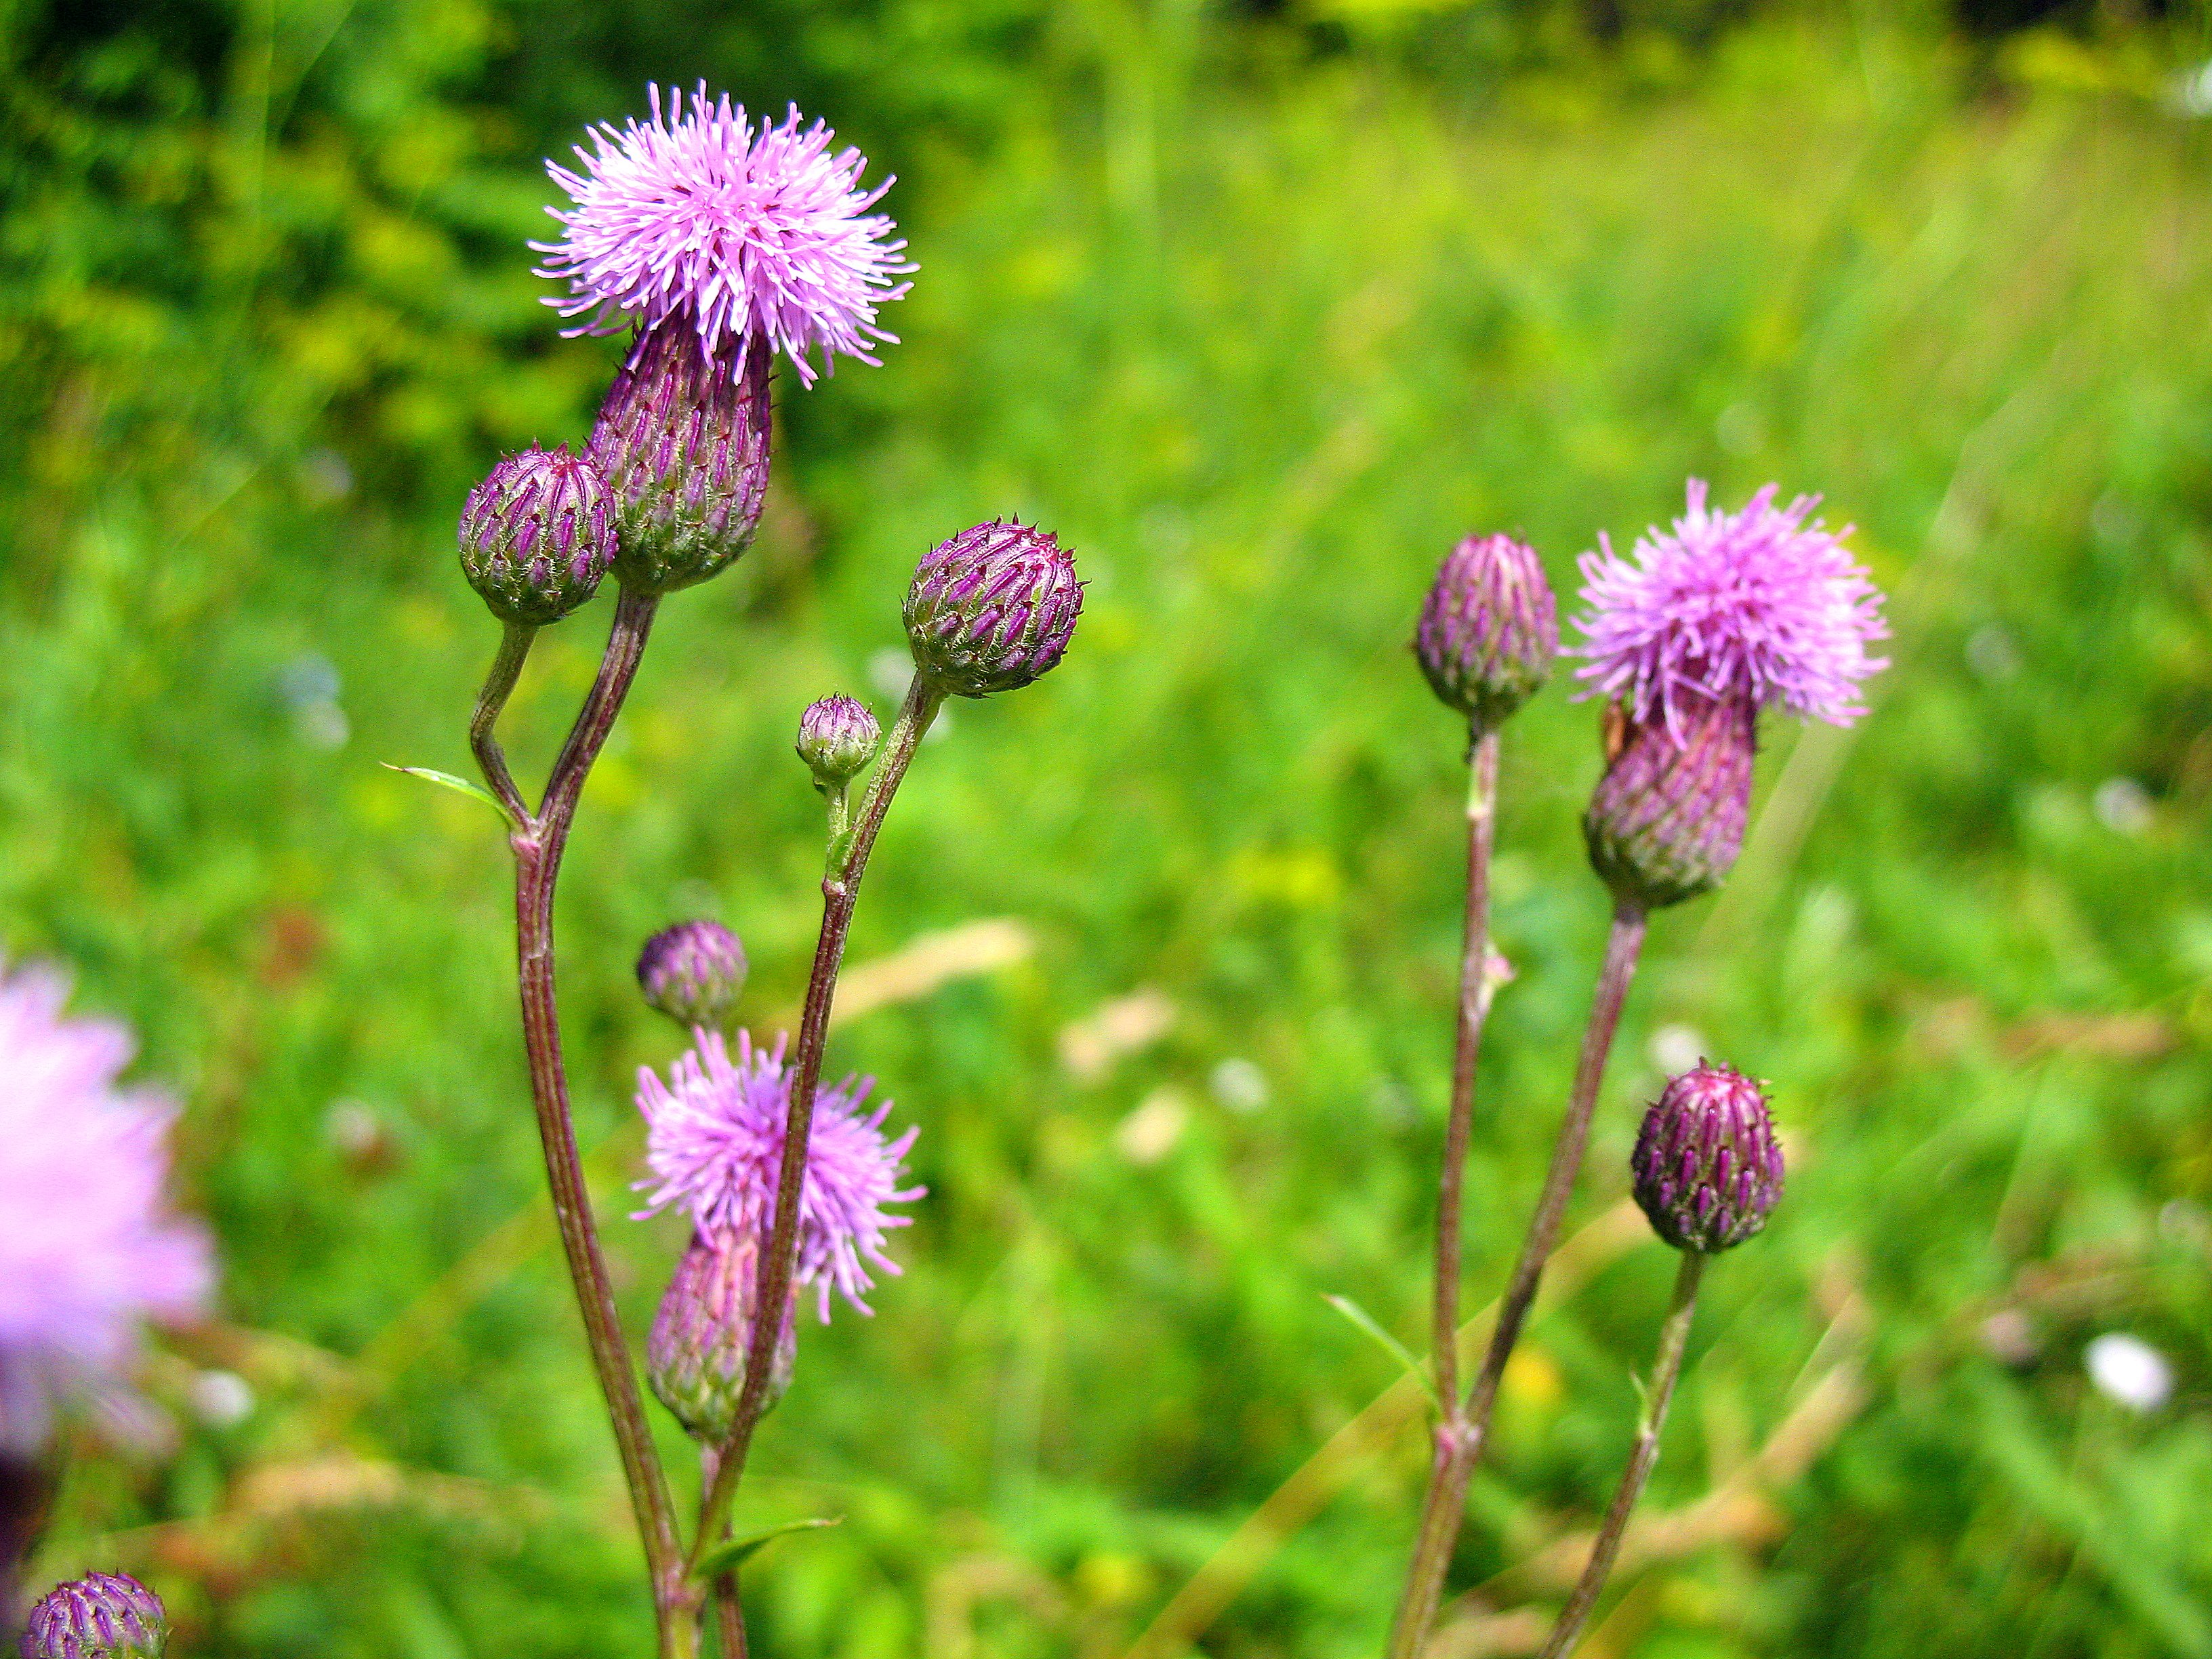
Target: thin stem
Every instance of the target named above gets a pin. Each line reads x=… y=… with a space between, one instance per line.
x=498 y=686
x=840 y=890
x=1446 y=1501
x=1475 y=990
x=1667 y=1369
x=538 y=842
x=723 y=1592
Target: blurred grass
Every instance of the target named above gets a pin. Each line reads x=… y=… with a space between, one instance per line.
x=1259 y=330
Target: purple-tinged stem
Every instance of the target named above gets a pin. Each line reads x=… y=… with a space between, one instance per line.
x=840 y=890
x=499 y=685
x=1475 y=991
x=1667 y=1370
x=538 y=841
x=1446 y=1503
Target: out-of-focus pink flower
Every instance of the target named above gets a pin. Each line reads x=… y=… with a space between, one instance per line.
x=714 y=1142
x=740 y=230
x=87 y=1249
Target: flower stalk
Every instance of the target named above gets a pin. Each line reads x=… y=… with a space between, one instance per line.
x=538 y=841
x=1667 y=1370
x=848 y=859
x=1445 y=1504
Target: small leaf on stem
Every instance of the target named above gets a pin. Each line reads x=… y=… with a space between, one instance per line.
x=734 y=1553
x=476 y=790
x=1397 y=1349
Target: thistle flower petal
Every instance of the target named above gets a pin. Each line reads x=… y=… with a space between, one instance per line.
x=1755 y=604
x=746 y=230
x=715 y=1143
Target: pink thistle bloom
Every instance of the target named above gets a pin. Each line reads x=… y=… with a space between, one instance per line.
x=1756 y=604
x=742 y=230
x=714 y=1141
x=87 y=1250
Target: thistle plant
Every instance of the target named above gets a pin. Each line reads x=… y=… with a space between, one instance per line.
x=722 y=243
x=89 y=1251
x=1687 y=641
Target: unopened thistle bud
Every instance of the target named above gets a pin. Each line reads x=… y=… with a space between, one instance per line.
x=683 y=439
x=1489 y=629
x=695 y=1357
x=536 y=535
x=992 y=609
x=692 y=972
x=1666 y=820
x=102 y=1615
x=837 y=737
x=1707 y=1166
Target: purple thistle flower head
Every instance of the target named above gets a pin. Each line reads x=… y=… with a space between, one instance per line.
x=992 y=609
x=745 y=232
x=87 y=1249
x=714 y=1141
x=1756 y=605
x=1707 y=1167
x=102 y=1615
x=536 y=536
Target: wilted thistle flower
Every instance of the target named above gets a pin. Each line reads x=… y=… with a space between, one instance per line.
x=536 y=536
x=1707 y=1166
x=1729 y=613
x=695 y=1357
x=837 y=737
x=693 y=972
x=102 y=1615
x=739 y=232
x=714 y=1142
x=87 y=1249
x=683 y=439
x=992 y=609
x=1489 y=629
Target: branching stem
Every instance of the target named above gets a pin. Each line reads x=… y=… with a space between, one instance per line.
x=538 y=841
x=1453 y=1465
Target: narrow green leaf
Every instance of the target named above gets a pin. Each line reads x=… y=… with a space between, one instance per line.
x=476 y=790
x=734 y=1553
x=1397 y=1349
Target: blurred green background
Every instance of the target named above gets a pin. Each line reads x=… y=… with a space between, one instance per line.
x=1259 y=309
